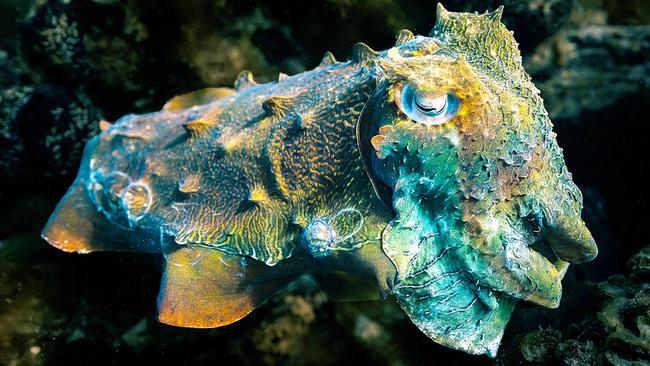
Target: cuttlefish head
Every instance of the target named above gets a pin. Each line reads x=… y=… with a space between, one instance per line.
x=457 y=141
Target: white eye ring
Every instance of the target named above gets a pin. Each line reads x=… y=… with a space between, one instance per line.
x=428 y=108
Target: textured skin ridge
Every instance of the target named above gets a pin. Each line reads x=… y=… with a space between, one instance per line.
x=272 y=136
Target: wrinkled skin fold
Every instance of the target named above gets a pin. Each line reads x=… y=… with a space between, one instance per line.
x=244 y=190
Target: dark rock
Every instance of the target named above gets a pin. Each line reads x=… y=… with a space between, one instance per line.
x=105 y=48
x=54 y=125
x=12 y=99
x=576 y=353
x=43 y=131
x=593 y=68
x=638 y=266
x=617 y=332
x=538 y=346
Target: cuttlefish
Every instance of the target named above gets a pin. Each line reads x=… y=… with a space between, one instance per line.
x=428 y=171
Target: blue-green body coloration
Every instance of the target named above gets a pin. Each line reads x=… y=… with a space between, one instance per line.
x=428 y=171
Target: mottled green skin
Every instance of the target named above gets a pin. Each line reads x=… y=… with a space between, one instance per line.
x=442 y=216
x=486 y=210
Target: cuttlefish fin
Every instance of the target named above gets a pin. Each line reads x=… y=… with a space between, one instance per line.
x=71 y=227
x=77 y=226
x=206 y=288
x=198 y=97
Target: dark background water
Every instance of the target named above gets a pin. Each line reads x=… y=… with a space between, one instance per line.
x=64 y=65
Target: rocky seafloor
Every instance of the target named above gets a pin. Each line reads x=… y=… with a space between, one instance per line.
x=64 y=65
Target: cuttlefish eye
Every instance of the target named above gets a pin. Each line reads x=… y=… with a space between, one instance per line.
x=428 y=107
